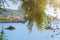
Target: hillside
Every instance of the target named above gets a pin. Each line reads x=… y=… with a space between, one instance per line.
x=11 y=12
x=12 y=16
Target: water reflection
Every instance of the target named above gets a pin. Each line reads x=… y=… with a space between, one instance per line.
x=2 y=34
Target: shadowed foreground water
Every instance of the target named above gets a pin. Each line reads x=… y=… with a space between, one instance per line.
x=22 y=33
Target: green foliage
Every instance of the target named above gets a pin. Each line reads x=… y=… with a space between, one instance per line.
x=3 y=19
x=2 y=10
x=34 y=11
x=2 y=35
x=2 y=6
x=30 y=25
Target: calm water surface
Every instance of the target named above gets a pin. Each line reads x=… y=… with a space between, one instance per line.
x=22 y=33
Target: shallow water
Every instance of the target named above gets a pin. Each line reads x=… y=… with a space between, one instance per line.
x=22 y=33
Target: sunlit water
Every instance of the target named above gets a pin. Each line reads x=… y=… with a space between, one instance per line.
x=22 y=33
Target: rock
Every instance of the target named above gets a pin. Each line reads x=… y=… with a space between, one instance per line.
x=10 y=28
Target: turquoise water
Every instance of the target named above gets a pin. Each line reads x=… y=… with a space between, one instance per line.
x=22 y=33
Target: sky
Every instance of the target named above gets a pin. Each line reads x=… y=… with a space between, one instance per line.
x=50 y=10
x=12 y=6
